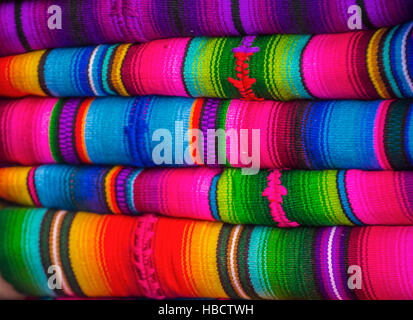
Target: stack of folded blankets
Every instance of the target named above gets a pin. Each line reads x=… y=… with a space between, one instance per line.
x=110 y=180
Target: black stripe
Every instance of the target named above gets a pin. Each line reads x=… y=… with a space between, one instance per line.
x=381 y=65
x=364 y=16
x=346 y=241
x=40 y=72
x=65 y=254
x=236 y=17
x=243 y=269
x=318 y=281
x=393 y=135
x=19 y=26
x=301 y=69
x=45 y=240
x=222 y=261
x=394 y=66
x=174 y=12
x=101 y=183
x=45 y=245
x=110 y=67
x=298 y=142
x=297 y=9
x=74 y=17
x=183 y=67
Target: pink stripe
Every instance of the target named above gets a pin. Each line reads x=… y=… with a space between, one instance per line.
x=256 y=115
x=176 y=193
x=373 y=196
x=42 y=139
x=235 y=112
x=187 y=193
x=389 y=262
x=379 y=135
x=29 y=130
x=32 y=187
x=160 y=70
x=325 y=51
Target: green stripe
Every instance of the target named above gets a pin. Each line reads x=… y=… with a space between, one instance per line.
x=54 y=131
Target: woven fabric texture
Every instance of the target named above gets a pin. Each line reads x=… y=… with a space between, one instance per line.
x=115 y=130
x=24 y=25
x=102 y=256
x=275 y=198
x=354 y=65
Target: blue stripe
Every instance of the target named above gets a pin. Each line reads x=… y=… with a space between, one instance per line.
x=213 y=197
x=341 y=186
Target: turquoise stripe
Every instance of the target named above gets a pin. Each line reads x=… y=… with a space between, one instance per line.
x=256 y=262
x=105 y=70
x=213 y=198
x=102 y=136
x=192 y=67
x=31 y=240
x=341 y=186
x=130 y=191
x=408 y=134
x=293 y=54
x=54 y=175
x=387 y=63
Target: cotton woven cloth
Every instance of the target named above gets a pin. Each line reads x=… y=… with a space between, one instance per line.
x=275 y=198
x=101 y=256
x=354 y=65
x=302 y=134
x=30 y=24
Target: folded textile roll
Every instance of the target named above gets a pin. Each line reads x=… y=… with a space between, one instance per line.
x=62 y=23
x=281 y=198
x=55 y=253
x=353 y=65
x=300 y=135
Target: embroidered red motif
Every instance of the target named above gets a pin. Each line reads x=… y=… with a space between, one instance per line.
x=244 y=82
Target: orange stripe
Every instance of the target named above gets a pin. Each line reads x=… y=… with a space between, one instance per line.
x=6 y=86
x=194 y=124
x=80 y=122
x=111 y=189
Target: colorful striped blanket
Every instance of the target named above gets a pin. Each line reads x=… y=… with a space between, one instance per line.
x=271 y=197
x=37 y=24
x=101 y=256
x=279 y=67
x=301 y=134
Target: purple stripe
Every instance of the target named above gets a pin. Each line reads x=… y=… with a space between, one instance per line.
x=66 y=131
x=208 y=122
x=121 y=191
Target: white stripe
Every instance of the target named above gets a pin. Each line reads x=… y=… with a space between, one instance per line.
x=330 y=264
x=55 y=234
x=89 y=69
x=238 y=287
x=404 y=58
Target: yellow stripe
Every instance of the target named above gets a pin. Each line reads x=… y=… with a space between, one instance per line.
x=116 y=69
x=109 y=187
x=373 y=64
x=13 y=185
x=24 y=71
x=204 y=259
x=84 y=246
